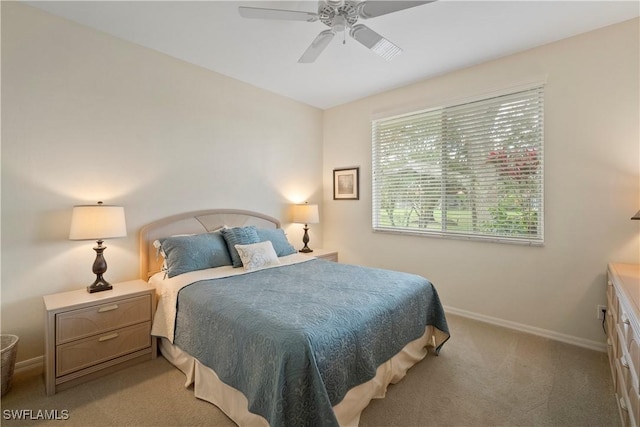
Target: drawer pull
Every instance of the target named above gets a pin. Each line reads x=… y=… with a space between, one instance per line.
x=624 y=363
x=108 y=308
x=623 y=404
x=115 y=335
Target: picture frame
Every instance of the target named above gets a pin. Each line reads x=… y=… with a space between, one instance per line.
x=346 y=183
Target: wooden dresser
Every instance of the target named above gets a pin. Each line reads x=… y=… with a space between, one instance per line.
x=622 y=325
x=89 y=335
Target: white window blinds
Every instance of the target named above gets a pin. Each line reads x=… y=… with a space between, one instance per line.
x=473 y=170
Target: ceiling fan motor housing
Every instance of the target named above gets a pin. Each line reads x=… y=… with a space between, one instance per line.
x=338 y=14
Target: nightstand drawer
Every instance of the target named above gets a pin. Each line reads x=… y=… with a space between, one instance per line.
x=77 y=324
x=77 y=355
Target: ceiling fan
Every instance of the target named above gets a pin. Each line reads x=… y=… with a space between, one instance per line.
x=340 y=15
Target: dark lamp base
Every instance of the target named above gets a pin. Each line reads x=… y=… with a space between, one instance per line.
x=305 y=239
x=99 y=285
x=98 y=288
x=99 y=268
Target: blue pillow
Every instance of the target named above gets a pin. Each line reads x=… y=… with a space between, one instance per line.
x=239 y=236
x=279 y=240
x=197 y=252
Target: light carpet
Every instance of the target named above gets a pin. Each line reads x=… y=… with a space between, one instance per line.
x=485 y=375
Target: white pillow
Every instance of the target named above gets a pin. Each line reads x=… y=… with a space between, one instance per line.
x=257 y=255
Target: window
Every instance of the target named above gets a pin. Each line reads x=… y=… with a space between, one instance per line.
x=473 y=170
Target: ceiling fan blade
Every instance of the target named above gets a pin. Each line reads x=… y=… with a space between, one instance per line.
x=289 y=15
x=372 y=8
x=317 y=46
x=375 y=41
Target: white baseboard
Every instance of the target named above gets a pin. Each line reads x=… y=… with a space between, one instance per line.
x=35 y=364
x=569 y=339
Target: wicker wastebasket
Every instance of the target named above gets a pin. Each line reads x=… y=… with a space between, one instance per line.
x=9 y=349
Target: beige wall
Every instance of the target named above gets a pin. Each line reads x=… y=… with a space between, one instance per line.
x=592 y=184
x=88 y=117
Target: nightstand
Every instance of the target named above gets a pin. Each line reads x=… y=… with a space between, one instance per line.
x=323 y=253
x=90 y=335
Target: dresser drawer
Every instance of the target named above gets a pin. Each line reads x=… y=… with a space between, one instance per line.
x=624 y=324
x=612 y=299
x=610 y=353
x=611 y=331
x=634 y=360
x=80 y=354
x=77 y=324
x=634 y=405
x=621 y=395
x=620 y=350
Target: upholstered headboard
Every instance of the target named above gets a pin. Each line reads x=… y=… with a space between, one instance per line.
x=192 y=223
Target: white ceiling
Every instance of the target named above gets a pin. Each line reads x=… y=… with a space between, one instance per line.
x=437 y=38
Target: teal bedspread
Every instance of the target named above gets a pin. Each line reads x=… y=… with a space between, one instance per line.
x=294 y=339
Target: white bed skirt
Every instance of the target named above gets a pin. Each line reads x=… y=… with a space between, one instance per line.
x=207 y=386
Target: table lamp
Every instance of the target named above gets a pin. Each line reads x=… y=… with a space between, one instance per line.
x=98 y=222
x=305 y=214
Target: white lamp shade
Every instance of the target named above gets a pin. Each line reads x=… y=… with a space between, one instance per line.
x=97 y=222
x=306 y=214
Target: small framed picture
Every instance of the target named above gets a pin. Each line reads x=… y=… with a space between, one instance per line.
x=346 y=184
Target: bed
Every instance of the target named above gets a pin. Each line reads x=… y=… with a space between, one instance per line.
x=281 y=338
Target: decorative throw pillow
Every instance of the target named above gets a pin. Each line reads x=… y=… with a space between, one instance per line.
x=279 y=240
x=183 y=254
x=239 y=236
x=257 y=255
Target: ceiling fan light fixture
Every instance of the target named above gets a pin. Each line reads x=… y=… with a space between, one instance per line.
x=339 y=23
